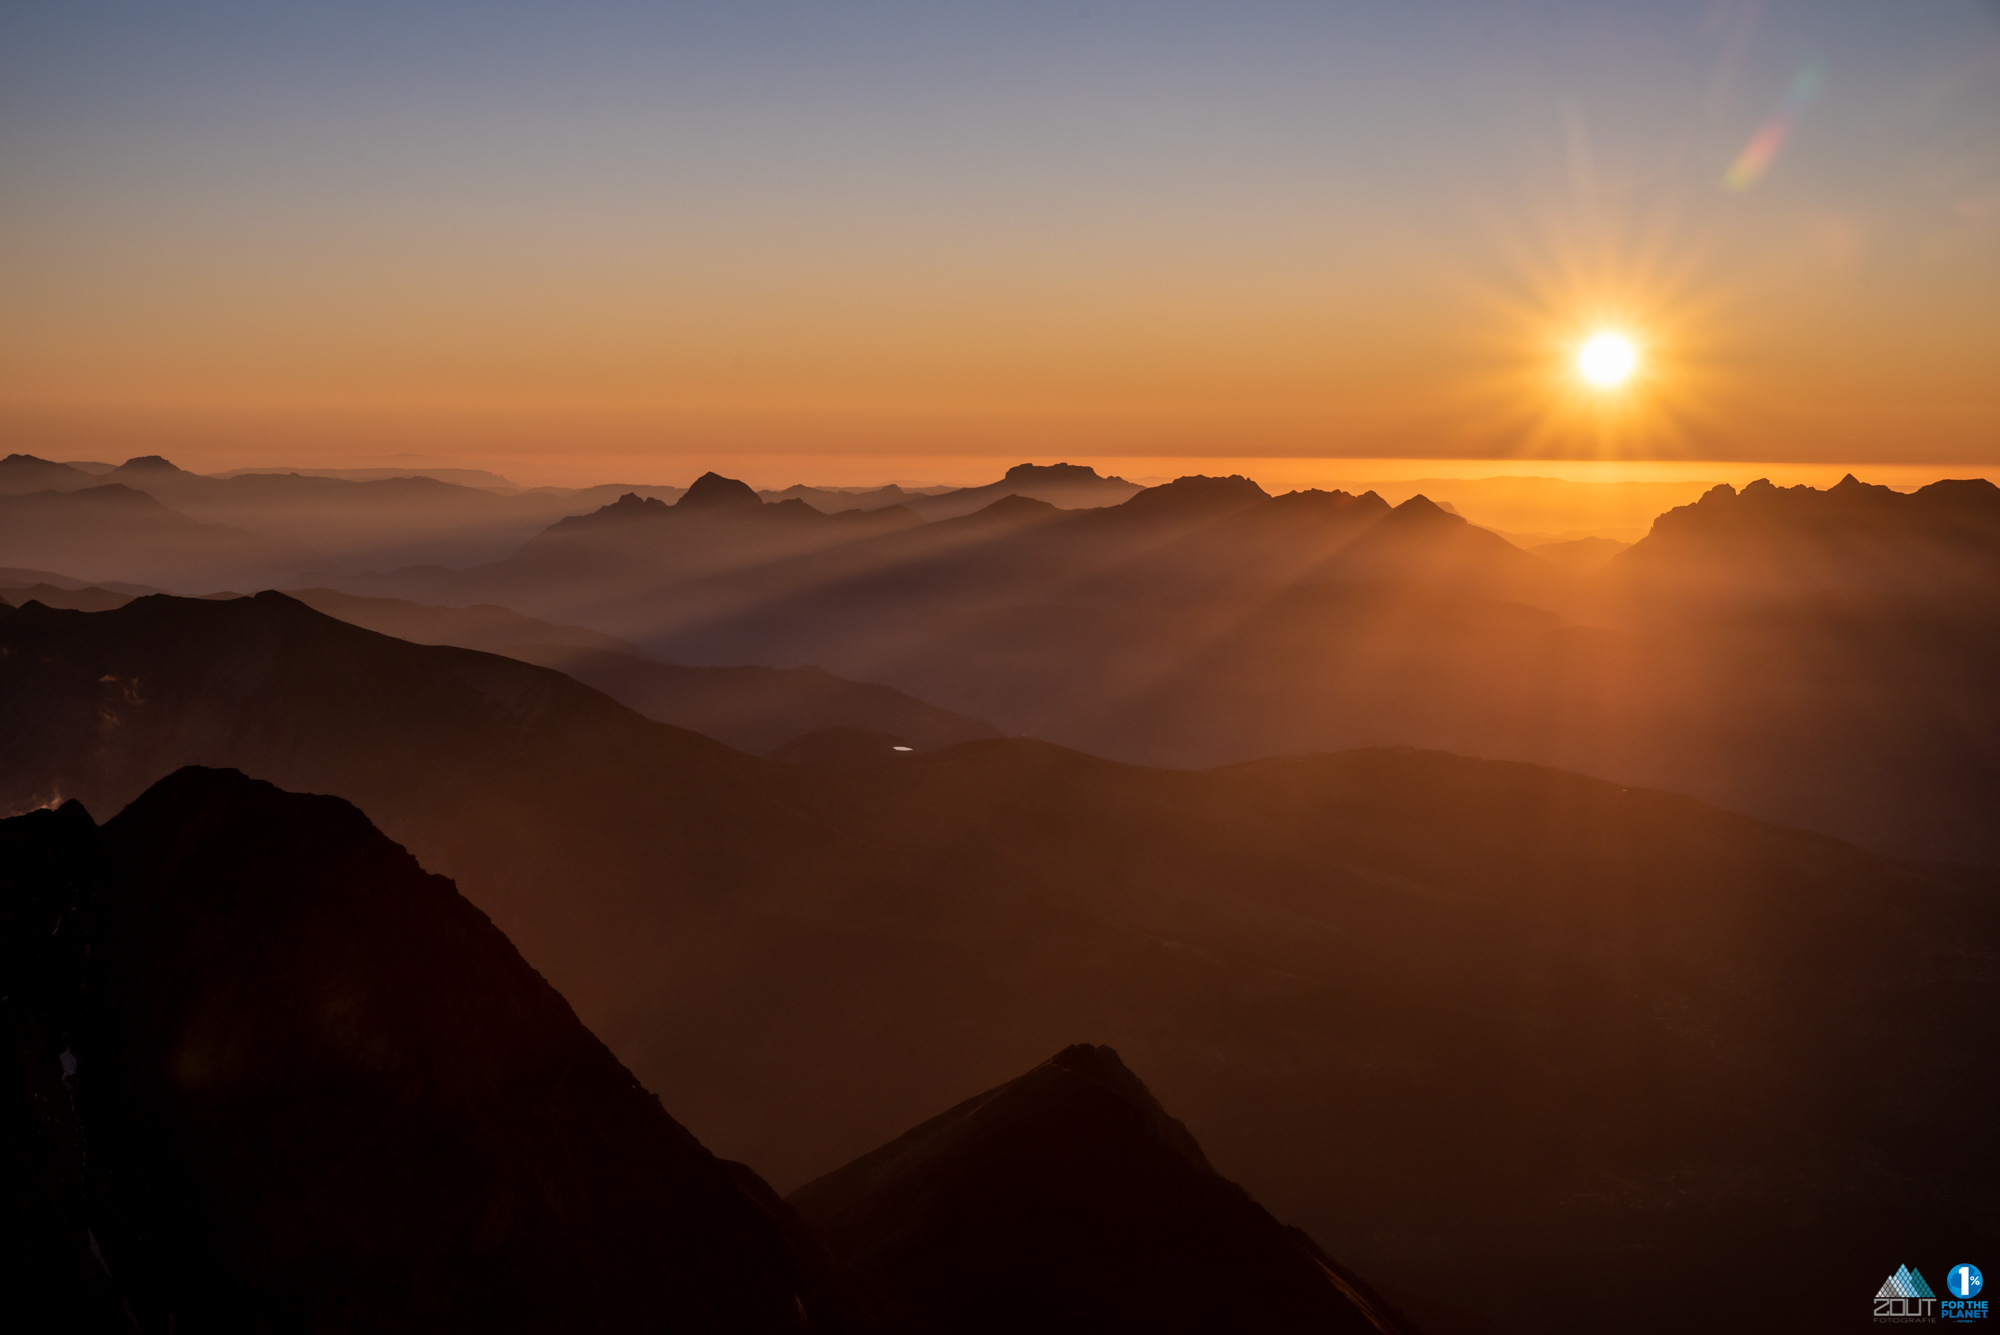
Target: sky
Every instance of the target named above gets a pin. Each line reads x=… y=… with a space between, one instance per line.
x=851 y=242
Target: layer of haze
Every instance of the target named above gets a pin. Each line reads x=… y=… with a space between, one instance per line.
x=575 y=242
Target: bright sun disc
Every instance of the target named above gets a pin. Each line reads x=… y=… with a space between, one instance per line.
x=1607 y=360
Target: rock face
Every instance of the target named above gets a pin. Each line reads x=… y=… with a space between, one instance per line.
x=278 y=1077
x=1068 y=1200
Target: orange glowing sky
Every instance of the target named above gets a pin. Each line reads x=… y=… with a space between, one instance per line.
x=573 y=243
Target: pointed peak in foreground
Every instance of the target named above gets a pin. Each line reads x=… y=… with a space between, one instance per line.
x=713 y=491
x=1068 y=1200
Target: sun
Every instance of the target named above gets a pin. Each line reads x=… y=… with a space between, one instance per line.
x=1607 y=359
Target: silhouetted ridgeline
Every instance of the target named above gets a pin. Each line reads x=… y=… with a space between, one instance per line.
x=1421 y=1005
x=264 y=1073
x=1733 y=550
x=267 y=1074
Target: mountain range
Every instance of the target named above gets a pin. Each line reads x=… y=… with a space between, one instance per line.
x=1583 y=1038
x=1820 y=658
x=1842 y=683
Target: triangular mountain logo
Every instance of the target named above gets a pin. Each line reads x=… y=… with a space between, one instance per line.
x=1905 y=1283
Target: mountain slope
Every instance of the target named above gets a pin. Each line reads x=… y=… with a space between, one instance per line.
x=1067 y=1200
x=320 y=1091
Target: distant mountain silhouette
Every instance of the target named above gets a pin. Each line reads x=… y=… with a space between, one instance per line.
x=1733 y=550
x=379 y=523
x=464 y=477
x=1067 y=1200
x=319 y=1090
x=146 y=468
x=582 y=500
x=1423 y=1006
x=21 y=473
x=1422 y=542
x=1200 y=623
x=634 y=546
x=21 y=577
x=714 y=492
x=1195 y=495
x=496 y=630
x=1179 y=630
x=1065 y=486
x=830 y=501
x=112 y=532
x=1580 y=556
x=90 y=598
x=781 y=584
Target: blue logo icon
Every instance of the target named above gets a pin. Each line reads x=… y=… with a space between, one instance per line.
x=1964 y=1280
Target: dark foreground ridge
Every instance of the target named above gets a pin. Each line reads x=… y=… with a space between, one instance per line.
x=269 y=1075
x=1068 y=1200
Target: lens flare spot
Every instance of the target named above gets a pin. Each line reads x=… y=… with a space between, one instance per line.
x=1607 y=360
